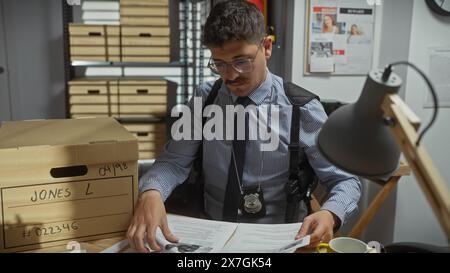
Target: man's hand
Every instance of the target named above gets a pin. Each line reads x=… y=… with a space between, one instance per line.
x=320 y=225
x=150 y=213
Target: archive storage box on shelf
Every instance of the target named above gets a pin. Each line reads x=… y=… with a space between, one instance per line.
x=146 y=44
x=94 y=42
x=121 y=97
x=144 y=12
x=65 y=180
x=143 y=98
x=150 y=30
x=151 y=138
x=93 y=97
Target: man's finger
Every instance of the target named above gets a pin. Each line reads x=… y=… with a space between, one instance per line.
x=167 y=233
x=304 y=229
x=139 y=239
x=327 y=237
x=317 y=235
x=130 y=236
x=151 y=238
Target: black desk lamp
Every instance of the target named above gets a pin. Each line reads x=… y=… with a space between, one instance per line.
x=365 y=138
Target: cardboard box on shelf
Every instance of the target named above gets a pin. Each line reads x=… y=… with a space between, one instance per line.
x=145 y=31
x=146 y=51
x=153 y=87
x=144 y=3
x=151 y=21
x=94 y=42
x=65 y=180
x=145 y=41
x=95 y=58
x=151 y=137
x=156 y=59
x=144 y=11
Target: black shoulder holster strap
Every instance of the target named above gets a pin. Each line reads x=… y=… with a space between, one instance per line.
x=198 y=163
x=187 y=199
x=197 y=169
x=302 y=178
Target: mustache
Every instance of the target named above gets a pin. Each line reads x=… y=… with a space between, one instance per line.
x=236 y=81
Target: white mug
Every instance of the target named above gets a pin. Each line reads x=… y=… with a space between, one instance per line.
x=344 y=245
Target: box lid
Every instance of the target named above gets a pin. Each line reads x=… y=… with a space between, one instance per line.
x=62 y=132
x=90 y=140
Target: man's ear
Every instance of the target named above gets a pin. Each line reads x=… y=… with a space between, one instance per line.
x=267 y=45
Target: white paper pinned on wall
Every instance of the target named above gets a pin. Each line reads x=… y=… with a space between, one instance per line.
x=439 y=73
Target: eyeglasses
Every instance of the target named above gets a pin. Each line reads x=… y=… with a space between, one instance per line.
x=244 y=65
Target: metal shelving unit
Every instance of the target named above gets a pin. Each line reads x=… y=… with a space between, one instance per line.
x=188 y=62
x=127 y=64
x=191 y=65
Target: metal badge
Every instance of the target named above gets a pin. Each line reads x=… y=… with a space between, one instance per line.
x=252 y=203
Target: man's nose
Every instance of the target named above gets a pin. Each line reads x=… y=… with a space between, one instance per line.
x=231 y=74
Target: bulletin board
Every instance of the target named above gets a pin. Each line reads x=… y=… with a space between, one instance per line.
x=339 y=37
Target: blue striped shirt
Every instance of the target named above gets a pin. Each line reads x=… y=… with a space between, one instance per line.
x=269 y=169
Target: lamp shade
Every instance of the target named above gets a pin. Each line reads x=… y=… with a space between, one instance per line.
x=356 y=137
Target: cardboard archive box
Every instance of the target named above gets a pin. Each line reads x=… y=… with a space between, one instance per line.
x=121 y=97
x=65 y=180
x=94 y=42
x=151 y=138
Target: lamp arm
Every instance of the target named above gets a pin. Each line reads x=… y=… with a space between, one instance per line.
x=387 y=72
x=405 y=128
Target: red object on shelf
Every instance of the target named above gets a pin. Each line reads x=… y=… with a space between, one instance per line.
x=259 y=4
x=262 y=6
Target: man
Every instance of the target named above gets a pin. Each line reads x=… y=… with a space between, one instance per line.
x=235 y=34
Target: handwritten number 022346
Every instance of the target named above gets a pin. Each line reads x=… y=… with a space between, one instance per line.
x=50 y=230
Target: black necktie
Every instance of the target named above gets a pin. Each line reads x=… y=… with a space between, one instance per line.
x=232 y=192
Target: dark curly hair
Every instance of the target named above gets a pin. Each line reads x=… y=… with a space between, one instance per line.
x=233 y=20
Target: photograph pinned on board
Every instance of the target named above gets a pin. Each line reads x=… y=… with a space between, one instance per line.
x=321 y=49
x=321 y=57
x=357 y=34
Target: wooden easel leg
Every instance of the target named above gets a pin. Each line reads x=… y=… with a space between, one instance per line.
x=373 y=208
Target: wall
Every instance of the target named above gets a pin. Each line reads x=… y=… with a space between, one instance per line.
x=404 y=30
x=33 y=44
x=5 y=111
x=415 y=220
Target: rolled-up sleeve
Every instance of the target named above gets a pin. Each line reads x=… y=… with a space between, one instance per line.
x=173 y=165
x=344 y=189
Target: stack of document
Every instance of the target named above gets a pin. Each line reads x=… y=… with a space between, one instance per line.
x=204 y=236
x=101 y=12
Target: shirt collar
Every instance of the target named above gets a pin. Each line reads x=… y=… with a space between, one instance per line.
x=258 y=95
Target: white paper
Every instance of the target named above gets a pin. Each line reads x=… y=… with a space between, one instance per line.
x=439 y=74
x=195 y=236
x=205 y=233
x=101 y=22
x=118 y=247
x=100 y=5
x=262 y=237
x=321 y=59
x=103 y=71
x=294 y=245
x=101 y=15
x=201 y=236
